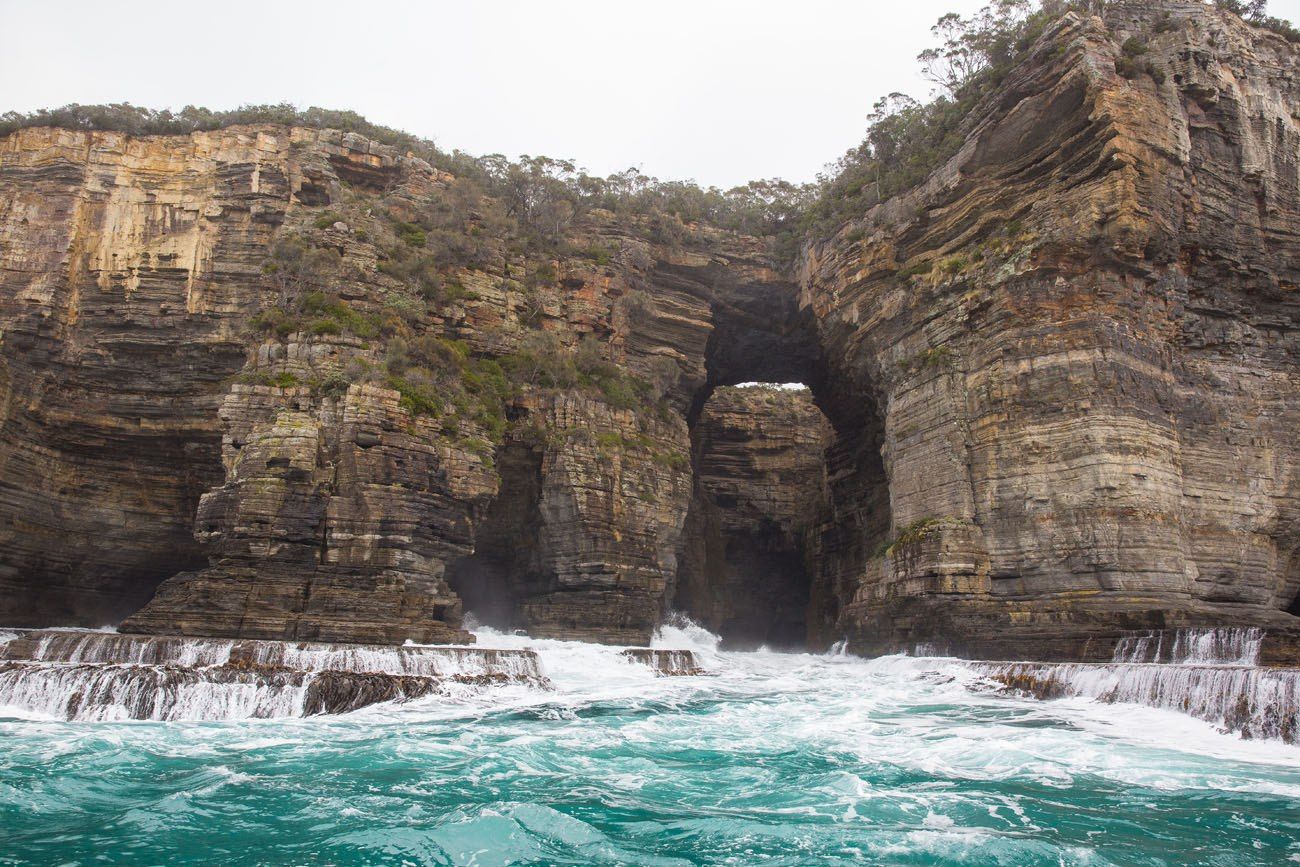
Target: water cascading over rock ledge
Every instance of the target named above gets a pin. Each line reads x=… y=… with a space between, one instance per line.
x=91 y=676
x=96 y=676
x=1054 y=386
x=1210 y=674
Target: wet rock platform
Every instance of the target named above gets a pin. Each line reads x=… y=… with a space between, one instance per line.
x=82 y=675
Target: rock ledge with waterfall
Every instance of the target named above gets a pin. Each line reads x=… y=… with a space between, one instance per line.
x=98 y=676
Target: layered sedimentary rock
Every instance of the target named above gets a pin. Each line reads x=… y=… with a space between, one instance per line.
x=1081 y=334
x=1059 y=378
x=334 y=524
x=760 y=482
x=272 y=466
x=120 y=268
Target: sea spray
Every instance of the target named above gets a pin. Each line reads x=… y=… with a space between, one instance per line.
x=772 y=758
x=93 y=676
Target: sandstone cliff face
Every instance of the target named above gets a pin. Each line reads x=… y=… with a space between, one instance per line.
x=1087 y=383
x=1058 y=381
x=122 y=266
x=154 y=421
x=334 y=523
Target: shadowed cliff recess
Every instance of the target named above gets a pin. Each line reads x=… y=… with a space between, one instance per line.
x=269 y=380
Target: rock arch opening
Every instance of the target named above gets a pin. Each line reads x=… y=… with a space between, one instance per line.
x=758 y=453
x=791 y=496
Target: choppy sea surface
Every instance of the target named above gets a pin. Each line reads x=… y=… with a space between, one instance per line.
x=772 y=759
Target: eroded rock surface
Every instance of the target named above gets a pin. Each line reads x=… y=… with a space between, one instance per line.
x=1059 y=376
x=760 y=483
x=1081 y=333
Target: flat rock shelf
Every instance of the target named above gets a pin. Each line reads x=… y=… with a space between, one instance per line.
x=79 y=675
x=102 y=676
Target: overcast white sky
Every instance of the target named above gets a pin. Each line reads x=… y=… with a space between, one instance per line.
x=721 y=91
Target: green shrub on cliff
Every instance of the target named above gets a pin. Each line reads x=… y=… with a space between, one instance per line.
x=438 y=377
x=283 y=379
x=906 y=139
x=1256 y=12
x=316 y=313
x=295 y=266
x=542 y=362
x=411 y=235
x=332 y=315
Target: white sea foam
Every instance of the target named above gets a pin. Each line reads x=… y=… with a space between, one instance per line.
x=832 y=693
x=1197 y=646
x=92 y=676
x=895 y=759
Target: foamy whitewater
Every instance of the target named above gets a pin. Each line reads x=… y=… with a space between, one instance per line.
x=769 y=759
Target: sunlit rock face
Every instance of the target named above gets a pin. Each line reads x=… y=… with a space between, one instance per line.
x=124 y=266
x=1053 y=389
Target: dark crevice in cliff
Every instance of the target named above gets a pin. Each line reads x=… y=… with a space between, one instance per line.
x=758 y=455
x=791 y=506
x=791 y=498
x=98 y=516
x=492 y=580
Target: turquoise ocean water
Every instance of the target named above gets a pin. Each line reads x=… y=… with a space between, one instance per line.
x=775 y=759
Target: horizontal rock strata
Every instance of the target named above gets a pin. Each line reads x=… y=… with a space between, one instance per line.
x=760 y=481
x=1081 y=334
x=284 y=383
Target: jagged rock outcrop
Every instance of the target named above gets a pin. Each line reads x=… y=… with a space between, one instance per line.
x=318 y=386
x=334 y=524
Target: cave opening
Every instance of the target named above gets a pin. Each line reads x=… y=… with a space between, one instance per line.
x=758 y=454
x=492 y=580
x=791 y=495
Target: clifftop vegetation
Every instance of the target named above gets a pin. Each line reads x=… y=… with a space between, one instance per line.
x=906 y=139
